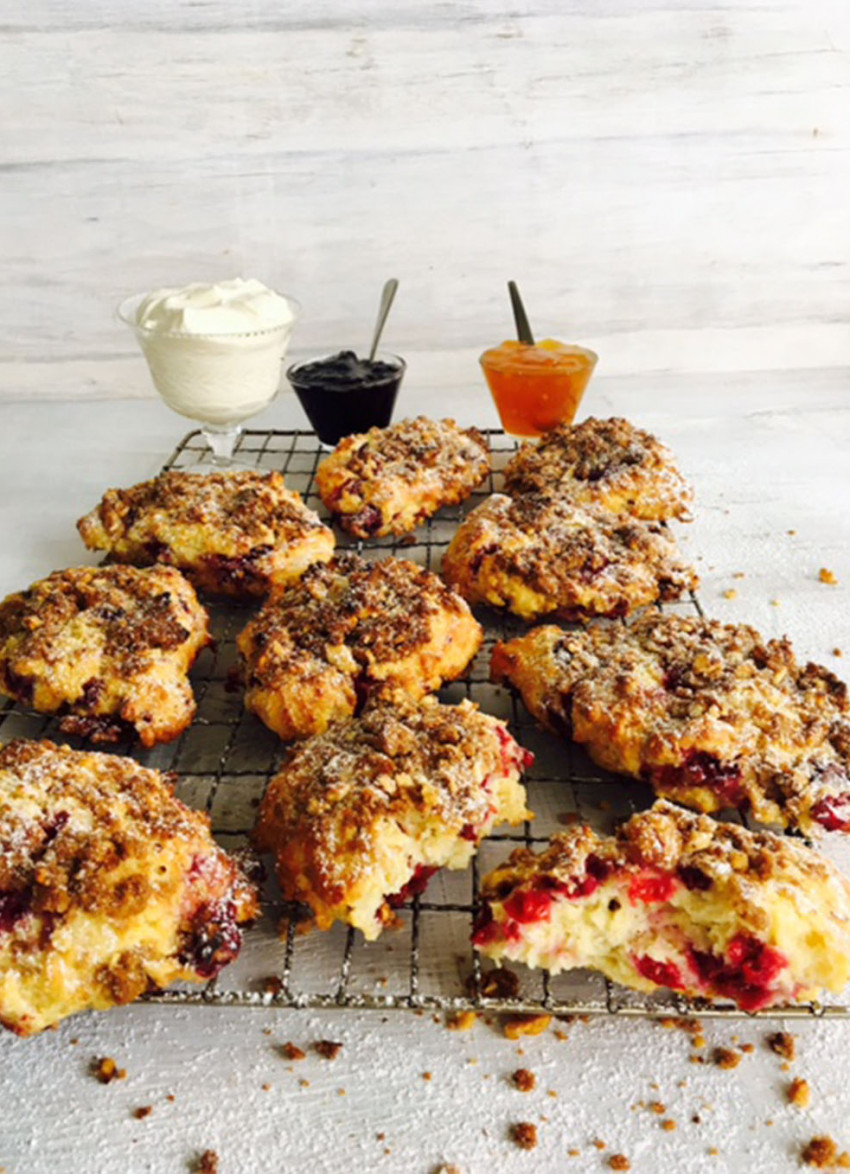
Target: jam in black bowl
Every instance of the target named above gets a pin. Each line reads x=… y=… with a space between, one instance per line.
x=342 y=394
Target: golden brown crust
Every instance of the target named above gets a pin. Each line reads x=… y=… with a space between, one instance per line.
x=676 y=899
x=362 y=812
x=108 y=647
x=541 y=556
x=608 y=463
x=351 y=630
x=388 y=480
x=109 y=885
x=710 y=714
x=233 y=534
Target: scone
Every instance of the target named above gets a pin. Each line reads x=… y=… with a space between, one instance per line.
x=676 y=900
x=361 y=816
x=107 y=647
x=710 y=714
x=348 y=631
x=608 y=463
x=542 y=556
x=109 y=886
x=233 y=534
x=388 y=480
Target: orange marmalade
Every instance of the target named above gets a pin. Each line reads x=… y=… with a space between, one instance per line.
x=536 y=387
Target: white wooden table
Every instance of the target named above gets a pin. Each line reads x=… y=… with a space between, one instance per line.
x=767 y=456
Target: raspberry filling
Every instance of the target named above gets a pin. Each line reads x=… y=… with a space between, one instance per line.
x=703 y=770
x=833 y=813
x=746 y=974
x=662 y=973
x=652 y=887
x=514 y=756
x=417 y=884
x=213 y=940
x=13 y=907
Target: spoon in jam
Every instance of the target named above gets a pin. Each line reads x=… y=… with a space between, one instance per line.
x=387 y=295
x=523 y=330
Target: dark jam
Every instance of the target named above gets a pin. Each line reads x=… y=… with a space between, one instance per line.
x=343 y=394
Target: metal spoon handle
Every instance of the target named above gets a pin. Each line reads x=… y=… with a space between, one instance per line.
x=387 y=296
x=523 y=330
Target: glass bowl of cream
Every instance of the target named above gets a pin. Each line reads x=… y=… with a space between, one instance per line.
x=214 y=351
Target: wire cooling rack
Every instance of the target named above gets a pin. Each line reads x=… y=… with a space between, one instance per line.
x=223 y=764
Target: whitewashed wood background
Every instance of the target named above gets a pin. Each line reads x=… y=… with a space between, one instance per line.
x=666 y=179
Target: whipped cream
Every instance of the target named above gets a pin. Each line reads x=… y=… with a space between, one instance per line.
x=215 y=350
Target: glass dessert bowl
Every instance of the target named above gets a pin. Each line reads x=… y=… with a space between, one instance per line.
x=342 y=394
x=214 y=352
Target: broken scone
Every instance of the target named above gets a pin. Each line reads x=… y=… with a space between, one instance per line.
x=543 y=556
x=675 y=900
x=350 y=631
x=388 y=480
x=109 y=886
x=361 y=816
x=606 y=463
x=709 y=714
x=109 y=648
x=234 y=534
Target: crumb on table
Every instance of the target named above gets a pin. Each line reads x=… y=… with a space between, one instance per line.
x=106 y=1070
x=327 y=1048
x=619 y=1162
x=515 y=1026
x=726 y=1057
x=291 y=1051
x=799 y=1093
x=461 y=1020
x=524 y=1135
x=524 y=1080
x=142 y=1112
x=783 y=1043
x=207 y=1163
x=730 y=593
x=820 y=1152
x=827 y=576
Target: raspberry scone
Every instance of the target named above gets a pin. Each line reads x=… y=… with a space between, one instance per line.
x=348 y=631
x=709 y=714
x=107 y=647
x=233 y=534
x=361 y=816
x=388 y=480
x=608 y=463
x=675 y=900
x=109 y=886
x=542 y=556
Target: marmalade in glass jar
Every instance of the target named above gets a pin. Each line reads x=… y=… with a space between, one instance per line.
x=535 y=387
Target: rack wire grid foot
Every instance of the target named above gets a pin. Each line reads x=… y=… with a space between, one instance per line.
x=225 y=760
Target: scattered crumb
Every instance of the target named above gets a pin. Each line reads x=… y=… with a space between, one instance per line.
x=619 y=1162
x=713 y=1151
x=668 y=1125
x=170 y=1097
x=561 y=1035
x=657 y=1107
x=524 y=1135
x=783 y=1043
x=207 y=1163
x=450 y=1169
x=106 y=1070
x=698 y=1041
x=774 y=603
x=73 y=1042
x=837 y=652
x=748 y=1049
x=340 y=1092
x=380 y=1136
x=552 y=1093
x=799 y=1093
x=730 y=593
x=827 y=576
x=291 y=1051
x=524 y=1080
x=327 y=1049
x=697 y=1120
x=599 y=1143
x=272 y=985
x=792 y=531
x=726 y=1057
x=573 y=1153
x=691 y=1026
x=304 y=1083
x=427 y=1075
x=820 y=1152
x=518 y=1025
x=739 y=575
x=142 y=1112
x=461 y=1020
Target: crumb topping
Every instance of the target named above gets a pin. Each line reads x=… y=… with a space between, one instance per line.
x=538 y=556
x=607 y=462
x=388 y=480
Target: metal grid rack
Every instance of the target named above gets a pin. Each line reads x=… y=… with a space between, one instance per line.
x=226 y=758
